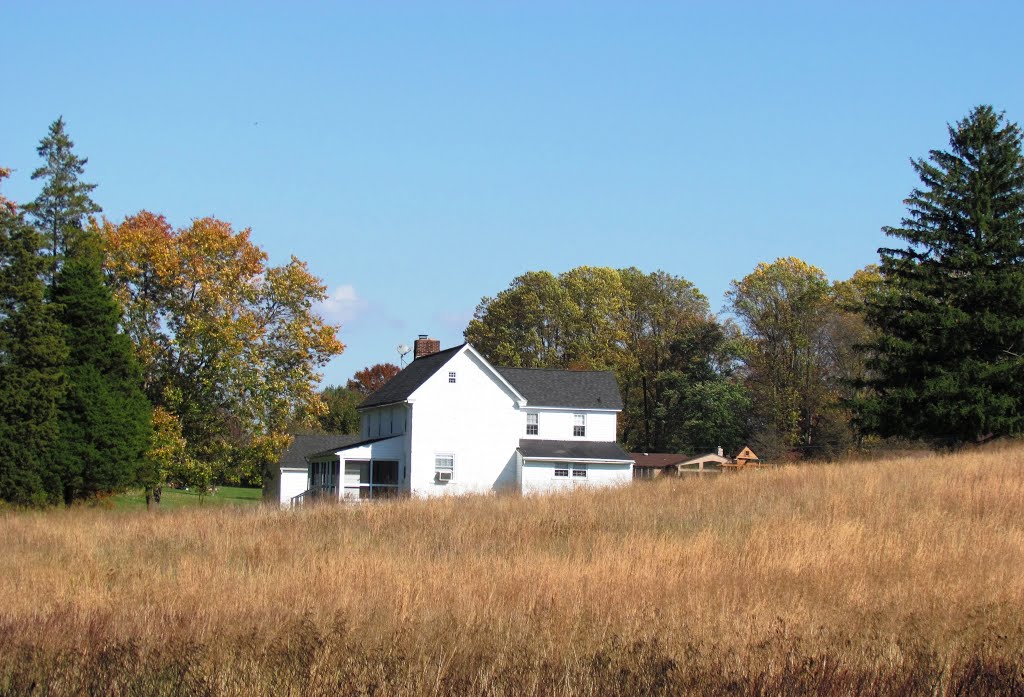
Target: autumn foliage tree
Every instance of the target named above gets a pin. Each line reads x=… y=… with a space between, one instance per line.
x=802 y=354
x=369 y=380
x=230 y=345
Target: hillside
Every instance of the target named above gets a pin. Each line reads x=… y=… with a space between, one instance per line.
x=898 y=576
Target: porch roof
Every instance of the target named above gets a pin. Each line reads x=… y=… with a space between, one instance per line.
x=349 y=446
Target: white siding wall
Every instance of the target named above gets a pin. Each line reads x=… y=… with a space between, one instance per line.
x=556 y=424
x=475 y=419
x=293 y=483
x=391 y=449
x=539 y=477
x=383 y=422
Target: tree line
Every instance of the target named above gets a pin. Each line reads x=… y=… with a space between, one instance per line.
x=136 y=354
x=927 y=344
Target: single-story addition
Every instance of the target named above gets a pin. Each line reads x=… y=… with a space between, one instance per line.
x=451 y=423
x=653 y=465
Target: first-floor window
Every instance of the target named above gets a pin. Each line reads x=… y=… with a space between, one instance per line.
x=444 y=467
x=579 y=471
x=561 y=473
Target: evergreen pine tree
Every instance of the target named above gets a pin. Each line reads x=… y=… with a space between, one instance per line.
x=105 y=417
x=63 y=204
x=949 y=363
x=32 y=354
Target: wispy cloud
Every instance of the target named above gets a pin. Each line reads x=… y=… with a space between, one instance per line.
x=342 y=305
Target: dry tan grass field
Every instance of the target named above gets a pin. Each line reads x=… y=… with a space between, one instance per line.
x=886 y=577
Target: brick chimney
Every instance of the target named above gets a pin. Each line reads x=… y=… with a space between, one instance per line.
x=425 y=347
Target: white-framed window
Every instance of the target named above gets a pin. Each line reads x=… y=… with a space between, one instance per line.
x=573 y=471
x=531 y=424
x=444 y=467
x=451 y=376
x=579 y=424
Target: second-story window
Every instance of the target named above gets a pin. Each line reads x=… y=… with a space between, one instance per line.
x=451 y=376
x=531 y=424
x=579 y=424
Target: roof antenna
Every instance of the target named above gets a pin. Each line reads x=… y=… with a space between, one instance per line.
x=403 y=351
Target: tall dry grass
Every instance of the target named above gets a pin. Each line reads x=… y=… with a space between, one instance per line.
x=891 y=577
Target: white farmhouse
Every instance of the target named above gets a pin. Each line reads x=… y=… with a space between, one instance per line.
x=451 y=423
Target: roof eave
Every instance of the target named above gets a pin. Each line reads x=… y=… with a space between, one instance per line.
x=595 y=460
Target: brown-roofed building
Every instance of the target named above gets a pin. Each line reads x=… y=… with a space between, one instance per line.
x=651 y=465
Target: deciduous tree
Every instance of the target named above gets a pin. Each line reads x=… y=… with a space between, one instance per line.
x=340 y=415
x=230 y=346
x=369 y=380
x=784 y=308
x=654 y=330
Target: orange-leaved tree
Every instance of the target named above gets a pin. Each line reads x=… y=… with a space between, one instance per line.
x=230 y=345
x=369 y=380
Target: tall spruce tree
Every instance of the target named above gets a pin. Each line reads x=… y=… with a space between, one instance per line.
x=64 y=203
x=32 y=355
x=105 y=417
x=949 y=363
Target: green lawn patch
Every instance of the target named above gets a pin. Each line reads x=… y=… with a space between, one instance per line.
x=181 y=498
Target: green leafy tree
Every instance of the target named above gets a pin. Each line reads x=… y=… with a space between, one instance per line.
x=105 y=417
x=949 y=358
x=32 y=379
x=341 y=415
x=703 y=402
x=63 y=205
x=643 y=326
x=524 y=326
x=784 y=308
x=166 y=457
x=663 y=315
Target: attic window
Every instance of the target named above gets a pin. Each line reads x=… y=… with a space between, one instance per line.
x=579 y=425
x=531 y=424
x=451 y=376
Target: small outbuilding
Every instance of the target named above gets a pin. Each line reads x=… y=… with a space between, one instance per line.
x=706 y=462
x=653 y=465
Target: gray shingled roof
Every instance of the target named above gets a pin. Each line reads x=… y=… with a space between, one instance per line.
x=398 y=388
x=573 y=449
x=303 y=446
x=581 y=389
x=354 y=443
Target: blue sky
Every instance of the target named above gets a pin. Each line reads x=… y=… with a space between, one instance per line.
x=421 y=155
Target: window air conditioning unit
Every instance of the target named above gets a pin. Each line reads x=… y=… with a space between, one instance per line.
x=444 y=476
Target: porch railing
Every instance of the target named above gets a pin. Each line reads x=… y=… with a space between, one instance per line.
x=321 y=491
